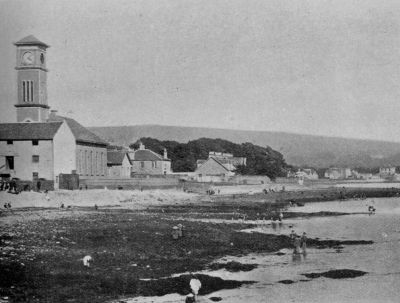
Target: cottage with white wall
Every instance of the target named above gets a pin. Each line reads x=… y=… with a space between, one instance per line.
x=146 y=162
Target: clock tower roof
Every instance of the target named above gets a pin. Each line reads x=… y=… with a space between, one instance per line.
x=30 y=40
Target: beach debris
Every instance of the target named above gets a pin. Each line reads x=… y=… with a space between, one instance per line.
x=87 y=260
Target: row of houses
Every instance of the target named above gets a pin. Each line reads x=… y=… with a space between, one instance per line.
x=342 y=173
x=127 y=163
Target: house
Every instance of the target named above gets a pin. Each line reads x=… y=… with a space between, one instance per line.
x=218 y=167
x=307 y=174
x=41 y=144
x=387 y=171
x=212 y=170
x=335 y=173
x=146 y=162
x=227 y=158
x=118 y=164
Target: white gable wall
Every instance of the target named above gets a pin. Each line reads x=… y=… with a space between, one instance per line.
x=64 y=152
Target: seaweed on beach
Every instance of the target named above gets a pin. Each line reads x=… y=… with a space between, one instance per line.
x=337 y=274
x=232 y=266
x=180 y=285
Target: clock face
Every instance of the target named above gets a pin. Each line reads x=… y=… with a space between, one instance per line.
x=27 y=58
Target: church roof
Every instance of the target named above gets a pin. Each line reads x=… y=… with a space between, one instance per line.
x=30 y=40
x=116 y=157
x=81 y=133
x=146 y=155
x=29 y=131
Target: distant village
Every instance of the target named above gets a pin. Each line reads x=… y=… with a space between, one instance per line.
x=45 y=149
x=388 y=173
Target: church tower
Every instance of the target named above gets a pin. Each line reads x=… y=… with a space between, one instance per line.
x=32 y=80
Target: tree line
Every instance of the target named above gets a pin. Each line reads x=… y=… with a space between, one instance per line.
x=260 y=160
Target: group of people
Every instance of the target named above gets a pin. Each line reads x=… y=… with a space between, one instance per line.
x=299 y=243
x=177 y=231
x=9 y=185
x=371 y=210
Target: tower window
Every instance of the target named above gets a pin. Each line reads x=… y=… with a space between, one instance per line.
x=10 y=142
x=35 y=142
x=35 y=159
x=27 y=91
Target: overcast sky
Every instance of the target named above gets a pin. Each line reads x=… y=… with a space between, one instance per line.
x=315 y=67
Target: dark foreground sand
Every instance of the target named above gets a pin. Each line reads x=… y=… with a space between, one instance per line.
x=41 y=250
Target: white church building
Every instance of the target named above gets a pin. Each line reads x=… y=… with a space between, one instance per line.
x=42 y=144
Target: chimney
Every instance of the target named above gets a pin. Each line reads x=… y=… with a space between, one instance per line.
x=141 y=146
x=53 y=114
x=165 y=154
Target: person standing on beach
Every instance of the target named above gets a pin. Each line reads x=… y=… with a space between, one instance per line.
x=303 y=243
x=296 y=244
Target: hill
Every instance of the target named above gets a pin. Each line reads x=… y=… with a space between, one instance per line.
x=297 y=149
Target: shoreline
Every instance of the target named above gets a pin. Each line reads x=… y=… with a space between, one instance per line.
x=42 y=249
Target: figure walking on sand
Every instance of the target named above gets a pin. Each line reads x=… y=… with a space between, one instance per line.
x=296 y=244
x=303 y=243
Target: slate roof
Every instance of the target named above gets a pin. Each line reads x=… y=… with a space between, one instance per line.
x=146 y=155
x=29 y=131
x=115 y=157
x=31 y=40
x=218 y=162
x=81 y=133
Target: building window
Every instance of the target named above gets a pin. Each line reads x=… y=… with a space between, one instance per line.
x=35 y=159
x=142 y=164
x=35 y=142
x=10 y=162
x=154 y=164
x=10 y=142
x=91 y=163
x=35 y=175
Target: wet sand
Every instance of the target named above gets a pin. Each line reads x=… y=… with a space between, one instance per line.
x=132 y=248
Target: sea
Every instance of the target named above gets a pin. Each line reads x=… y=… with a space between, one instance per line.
x=381 y=260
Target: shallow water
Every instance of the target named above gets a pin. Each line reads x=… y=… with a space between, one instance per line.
x=381 y=260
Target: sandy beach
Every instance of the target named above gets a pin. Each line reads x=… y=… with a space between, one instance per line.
x=129 y=238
